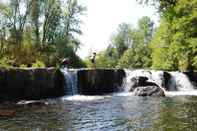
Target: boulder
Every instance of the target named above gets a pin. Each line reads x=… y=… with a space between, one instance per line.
x=149 y=91
x=140 y=81
x=7 y=112
x=143 y=87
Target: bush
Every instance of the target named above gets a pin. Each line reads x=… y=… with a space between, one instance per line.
x=4 y=62
x=23 y=66
x=38 y=63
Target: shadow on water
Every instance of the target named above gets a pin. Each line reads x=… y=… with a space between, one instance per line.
x=110 y=113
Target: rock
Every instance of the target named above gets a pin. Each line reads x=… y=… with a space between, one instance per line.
x=149 y=91
x=140 y=81
x=8 y=109
x=143 y=87
x=39 y=106
x=7 y=112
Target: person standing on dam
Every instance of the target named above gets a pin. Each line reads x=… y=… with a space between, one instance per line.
x=93 y=60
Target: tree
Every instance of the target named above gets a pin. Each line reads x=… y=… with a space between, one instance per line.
x=47 y=27
x=121 y=40
x=138 y=56
x=129 y=47
x=179 y=28
x=162 y=57
x=107 y=58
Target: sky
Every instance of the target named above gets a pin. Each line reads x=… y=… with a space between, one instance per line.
x=102 y=19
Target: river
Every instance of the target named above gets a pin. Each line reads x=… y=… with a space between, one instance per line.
x=117 y=112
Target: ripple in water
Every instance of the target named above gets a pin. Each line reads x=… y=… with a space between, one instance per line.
x=115 y=112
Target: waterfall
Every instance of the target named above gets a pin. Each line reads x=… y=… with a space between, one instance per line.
x=181 y=82
x=178 y=81
x=71 y=81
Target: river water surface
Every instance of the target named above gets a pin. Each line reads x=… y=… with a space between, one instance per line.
x=106 y=113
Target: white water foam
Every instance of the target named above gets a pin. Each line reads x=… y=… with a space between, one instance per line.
x=181 y=93
x=167 y=93
x=181 y=82
x=178 y=81
x=84 y=98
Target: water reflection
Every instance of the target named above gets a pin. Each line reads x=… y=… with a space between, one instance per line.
x=110 y=113
x=177 y=114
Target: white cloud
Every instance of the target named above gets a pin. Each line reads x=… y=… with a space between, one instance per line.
x=103 y=18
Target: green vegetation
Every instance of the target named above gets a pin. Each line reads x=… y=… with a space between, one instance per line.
x=129 y=47
x=174 y=45
x=170 y=46
x=39 y=33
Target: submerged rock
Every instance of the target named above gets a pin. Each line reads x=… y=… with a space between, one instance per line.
x=149 y=91
x=8 y=109
x=7 y=112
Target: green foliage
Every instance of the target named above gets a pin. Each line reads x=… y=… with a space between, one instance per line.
x=135 y=58
x=44 y=30
x=176 y=37
x=129 y=47
x=121 y=40
x=4 y=62
x=162 y=58
x=23 y=66
x=104 y=60
x=38 y=63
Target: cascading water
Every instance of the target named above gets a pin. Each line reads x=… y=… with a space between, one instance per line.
x=153 y=76
x=178 y=81
x=181 y=82
x=71 y=81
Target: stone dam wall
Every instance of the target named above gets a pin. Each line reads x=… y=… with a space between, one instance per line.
x=40 y=83
x=100 y=81
x=28 y=84
x=33 y=84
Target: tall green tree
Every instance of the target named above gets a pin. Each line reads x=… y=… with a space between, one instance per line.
x=121 y=40
x=129 y=46
x=178 y=18
x=138 y=55
x=47 y=27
